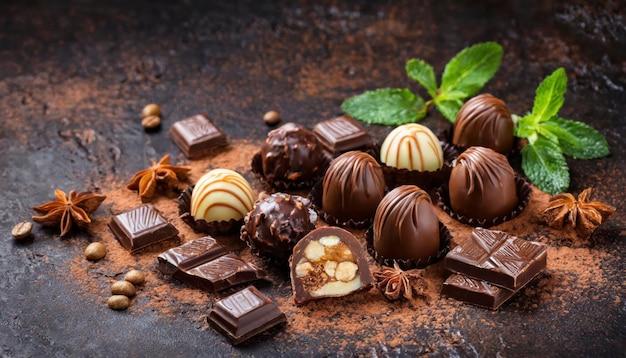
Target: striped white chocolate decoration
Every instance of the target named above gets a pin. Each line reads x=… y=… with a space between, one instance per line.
x=412 y=146
x=221 y=195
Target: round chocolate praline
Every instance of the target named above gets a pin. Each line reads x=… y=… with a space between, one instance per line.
x=406 y=226
x=482 y=184
x=291 y=153
x=276 y=223
x=484 y=121
x=414 y=147
x=353 y=186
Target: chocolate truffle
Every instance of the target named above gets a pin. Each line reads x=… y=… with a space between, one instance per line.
x=221 y=195
x=328 y=262
x=484 y=121
x=412 y=146
x=353 y=186
x=291 y=153
x=277 y=223
x=482 y=184
x=405 y=225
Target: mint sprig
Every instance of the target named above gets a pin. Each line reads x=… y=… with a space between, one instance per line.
x=550 y=137
x=463 y=76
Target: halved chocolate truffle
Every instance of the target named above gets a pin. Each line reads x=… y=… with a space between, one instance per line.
x=406 y=226
x=353 y=186
x=328 y=262
x=291 y=153
x=484 y=121
x=412 y=146
x=482 y=184
x=277 y=223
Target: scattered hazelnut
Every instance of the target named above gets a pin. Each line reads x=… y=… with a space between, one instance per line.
x=95 y=251
x=151 y=122
x=123 y=288
x=22 y=230
x=118 y=302
x=151 y=110
x=135 y=277
x=271 y=118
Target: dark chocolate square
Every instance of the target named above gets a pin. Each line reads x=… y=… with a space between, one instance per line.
x=141 y=227
x=497 y=258
x=245 y=314
x=190 y=254
x=342 y=134
x=476 y=292
x=197 y=136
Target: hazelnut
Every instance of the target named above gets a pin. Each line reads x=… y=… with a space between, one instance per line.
x=346 y=271
x=95 y=251
x=151 y=122
x=22 y=230
x=135 y=277
x=151 y=110
x=271 y=118
x=314 y=251
x=123 y=288
x=118 y=302
x=303 y=269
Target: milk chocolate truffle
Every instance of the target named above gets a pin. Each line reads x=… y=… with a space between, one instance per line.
x=221 y=195
x=277 y=223
x=412 y=146
x=405 y=225
x=482 y=184
x=353 y=186
x=484 y=121
x=291 y=153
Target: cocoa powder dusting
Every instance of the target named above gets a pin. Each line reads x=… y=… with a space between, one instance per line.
x=573 y=266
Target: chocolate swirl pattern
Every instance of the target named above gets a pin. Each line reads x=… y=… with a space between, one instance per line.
x=412 y=146
x=221 y=195
x=484 y=121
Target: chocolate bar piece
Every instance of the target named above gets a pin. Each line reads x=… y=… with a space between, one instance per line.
x=245 y=314
x=196 y=136
x=342 y=134
x=497 y=258
x=328 y=262
x=140 y=227
x=206 y=263
x=476 y=292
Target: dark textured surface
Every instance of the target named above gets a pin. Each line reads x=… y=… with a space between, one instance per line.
x=74 y=76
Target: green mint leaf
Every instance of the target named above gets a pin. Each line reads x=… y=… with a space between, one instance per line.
x=450 y=96
x=525 y=126
x=387 y=106
x=423 y=73
x=546 y=132
x=549 y=96
x=545 y=166
x=471 y=68
x=449 y=109
x=579 y=140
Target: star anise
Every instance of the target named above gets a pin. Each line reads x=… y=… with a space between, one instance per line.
x=582 y=214
x=162 y=174
x=65 y=210
x=394 y=282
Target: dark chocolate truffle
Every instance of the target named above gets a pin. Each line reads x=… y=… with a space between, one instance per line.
x=291 y=153
x=276 y=223
x=482 y=184
x=484 y=121
x=405 y=225
x=353 y=185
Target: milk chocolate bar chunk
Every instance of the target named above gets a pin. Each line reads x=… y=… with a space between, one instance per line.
x=497 y=258
x=245 y=314
x=342 y=134
x=328 y=262
x=190 y=254
x=476 y=292
x=141 y=227
x=196 y=136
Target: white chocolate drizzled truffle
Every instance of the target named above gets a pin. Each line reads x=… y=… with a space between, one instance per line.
x=412 y=146
x=221 y=195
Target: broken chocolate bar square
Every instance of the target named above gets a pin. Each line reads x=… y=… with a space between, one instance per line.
x=497 y=258
x=342 y=134
x=197 y=136
x=141 y=227
x=476 y=292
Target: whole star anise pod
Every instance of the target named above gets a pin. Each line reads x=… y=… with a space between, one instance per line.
x=162 y=174
x=582 y=214
x=65 y=210
x=394 y=282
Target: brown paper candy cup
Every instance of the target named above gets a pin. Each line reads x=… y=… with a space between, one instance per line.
x=409 y=264
x=282 y=185
x=523 y=190
x=200 y=225
x=316 y=200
